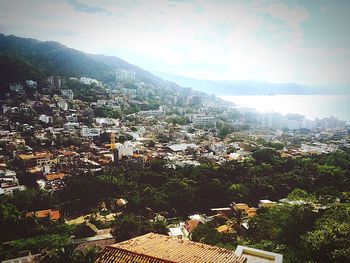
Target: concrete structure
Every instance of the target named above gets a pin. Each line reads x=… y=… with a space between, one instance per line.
x=257 y=255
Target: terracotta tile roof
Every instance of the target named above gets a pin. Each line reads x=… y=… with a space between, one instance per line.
x=154 y=248
x=55 y=176
x=52 y=214
x=190 y=225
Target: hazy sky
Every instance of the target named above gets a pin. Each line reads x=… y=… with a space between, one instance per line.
x=307 y=42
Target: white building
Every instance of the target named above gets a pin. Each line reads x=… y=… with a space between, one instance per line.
x=107 y=121
x=70 y=126
x=62 y=104
x=45 y=118
x=89 y=81
x=67 y=94
x=90 y=132
x=124 y=150
x=72 y=118
x=10 y=190
x=203 y=120
x=55 y=81
x=16 y=88
x=155 y=113
x=123 y=74
x=31 y=83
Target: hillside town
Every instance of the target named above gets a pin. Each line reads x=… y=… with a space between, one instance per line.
x=70 y=127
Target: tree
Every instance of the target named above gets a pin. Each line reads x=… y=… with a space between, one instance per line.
x=266 y=155
x=330 y=240
x=126 y=226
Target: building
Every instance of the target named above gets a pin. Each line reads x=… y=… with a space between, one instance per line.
x=48 y=213
x=18 y=88
x=89 y=81
x=123 y=74
x=124 y=150
x=107 y=121
x=157 y=248
x=203 y=121
x=10 y=190
x=67 y=94
x=266 y=203
x=181 y=147
x=257 y=255
x=31 y=84
x=154 y=113
x=62 y=104
x=45 y=118
x=55 y=81
x=36 y=159
x=90 y=132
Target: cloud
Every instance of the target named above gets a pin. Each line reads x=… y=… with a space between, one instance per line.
x=248 y=40
x=80 y=7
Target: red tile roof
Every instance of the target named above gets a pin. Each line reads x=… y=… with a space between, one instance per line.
x=154 y=248
x=52 y=214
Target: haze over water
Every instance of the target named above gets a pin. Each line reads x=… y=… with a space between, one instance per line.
x=311 y=106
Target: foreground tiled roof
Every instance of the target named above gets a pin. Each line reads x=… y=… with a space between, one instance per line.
x=154 y=248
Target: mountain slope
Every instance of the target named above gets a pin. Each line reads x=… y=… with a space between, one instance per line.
x=20 y=57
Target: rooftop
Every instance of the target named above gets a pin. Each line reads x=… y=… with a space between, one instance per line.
x=157 y=248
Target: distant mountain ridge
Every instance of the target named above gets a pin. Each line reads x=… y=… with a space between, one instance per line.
x=225 y=87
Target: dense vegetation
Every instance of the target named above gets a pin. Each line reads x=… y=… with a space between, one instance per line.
x=294 y=230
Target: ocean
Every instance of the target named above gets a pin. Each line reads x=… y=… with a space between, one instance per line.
x=311 y=106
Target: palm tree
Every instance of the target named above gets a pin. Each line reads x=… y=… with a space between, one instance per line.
x=237 y=219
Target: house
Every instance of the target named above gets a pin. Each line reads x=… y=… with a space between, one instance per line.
x=48 y=213
x=225 y=211
x=41 y=159
x=157 y=248
x=107 y=121
x=11 y=189
x=67 y=94
x=181 y=147
x=45 y=118
x=55 y=176
x=266 y=203
x=62 y=104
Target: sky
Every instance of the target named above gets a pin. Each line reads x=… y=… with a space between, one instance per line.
x=306 y=42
